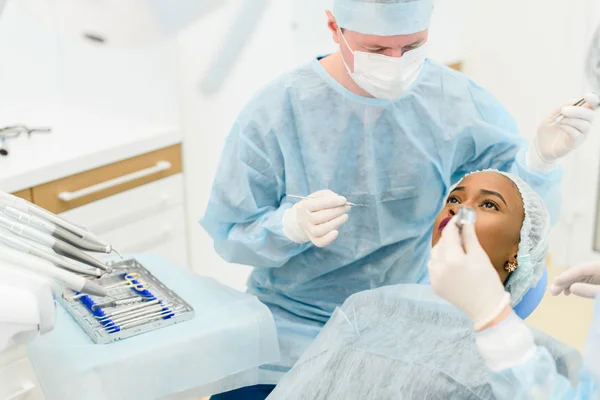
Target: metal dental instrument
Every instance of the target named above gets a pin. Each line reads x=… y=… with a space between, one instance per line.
x=465 y=215
x=140 y=287
x=559 y=117
x=312 y=198
x=24 y=247
x=141 y=320
x=126 y=301
x=25 y=206
x=138 y=323
x=56 y=231
x=136 y=314
x=129 y=309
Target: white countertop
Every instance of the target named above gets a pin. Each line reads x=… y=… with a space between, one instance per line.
x=79 y=141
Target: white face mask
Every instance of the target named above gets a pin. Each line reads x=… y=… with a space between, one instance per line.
x=386 y=77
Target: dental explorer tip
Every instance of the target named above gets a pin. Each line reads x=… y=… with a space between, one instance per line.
x=119 y=254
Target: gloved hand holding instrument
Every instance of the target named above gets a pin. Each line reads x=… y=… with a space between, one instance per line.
x=561 y=132
x=316 y=218
x=461 y=272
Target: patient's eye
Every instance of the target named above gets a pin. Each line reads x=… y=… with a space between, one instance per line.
x=453 y=200
x=490 y=205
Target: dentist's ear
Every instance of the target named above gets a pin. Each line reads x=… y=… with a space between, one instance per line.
x=333 y=26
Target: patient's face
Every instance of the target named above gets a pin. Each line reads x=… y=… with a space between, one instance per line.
x=500 y=214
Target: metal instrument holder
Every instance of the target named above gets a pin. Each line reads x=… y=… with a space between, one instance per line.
x=81 y=308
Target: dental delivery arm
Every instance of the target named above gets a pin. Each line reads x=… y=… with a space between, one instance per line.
x=26 y=207
x=42 y=267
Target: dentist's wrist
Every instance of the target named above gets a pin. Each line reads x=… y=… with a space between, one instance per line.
x=535 y=162
x=291 y=227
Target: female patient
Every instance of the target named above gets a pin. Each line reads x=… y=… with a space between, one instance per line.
x=402 y=341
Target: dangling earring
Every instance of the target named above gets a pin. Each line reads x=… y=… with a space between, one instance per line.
x=510 y=266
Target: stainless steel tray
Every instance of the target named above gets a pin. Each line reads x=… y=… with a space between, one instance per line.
x=103 y=331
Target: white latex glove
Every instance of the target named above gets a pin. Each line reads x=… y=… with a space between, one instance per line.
x=582 y=281
x=467 y=279
x=316 y=219
x=554 y=141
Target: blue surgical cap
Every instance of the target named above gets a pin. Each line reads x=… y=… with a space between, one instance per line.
x=383 y=17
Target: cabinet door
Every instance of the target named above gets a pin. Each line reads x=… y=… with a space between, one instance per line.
x=147 y=219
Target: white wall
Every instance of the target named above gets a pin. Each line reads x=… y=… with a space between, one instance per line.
x=41 y=69
x=207 y=120
x=530 y=55
x=29 y=64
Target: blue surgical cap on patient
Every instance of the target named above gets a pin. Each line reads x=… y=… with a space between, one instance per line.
x=383 y=17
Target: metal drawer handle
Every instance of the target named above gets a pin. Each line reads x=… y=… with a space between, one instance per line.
x=25 y=388
x=159 y=167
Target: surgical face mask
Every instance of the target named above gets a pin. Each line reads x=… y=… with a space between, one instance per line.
x=386 y=77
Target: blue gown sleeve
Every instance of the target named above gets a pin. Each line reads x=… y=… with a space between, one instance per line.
x=538 y=378
x=244 y=213
x=497 y=144
x=518 y=373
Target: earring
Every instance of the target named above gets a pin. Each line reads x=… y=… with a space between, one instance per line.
x=510 y=266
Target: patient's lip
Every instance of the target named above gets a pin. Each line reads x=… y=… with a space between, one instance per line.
x=444 y=223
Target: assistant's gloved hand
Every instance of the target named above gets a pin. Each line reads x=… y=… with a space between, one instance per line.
x=316 y=219
x=468 y=279
x=582 y=281
x=556 y=140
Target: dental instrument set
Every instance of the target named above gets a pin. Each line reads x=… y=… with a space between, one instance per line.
x=137 y=302
x=310 y=198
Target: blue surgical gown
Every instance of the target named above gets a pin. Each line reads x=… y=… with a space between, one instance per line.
x=538 y=377
x=305 y=132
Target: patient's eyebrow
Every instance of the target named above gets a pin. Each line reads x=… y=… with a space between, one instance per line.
x=458 y=189
x=492 y=193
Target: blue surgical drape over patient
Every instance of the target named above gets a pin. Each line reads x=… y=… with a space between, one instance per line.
x=305 y=132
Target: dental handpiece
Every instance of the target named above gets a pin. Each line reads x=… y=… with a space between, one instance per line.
x=56 y=231
x=25 y=247
x=68 y=279
x=55 y=244
x=27 y=207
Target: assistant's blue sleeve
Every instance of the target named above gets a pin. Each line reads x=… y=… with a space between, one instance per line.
x=497 y=144
x=538 y=378
x=244 y=214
